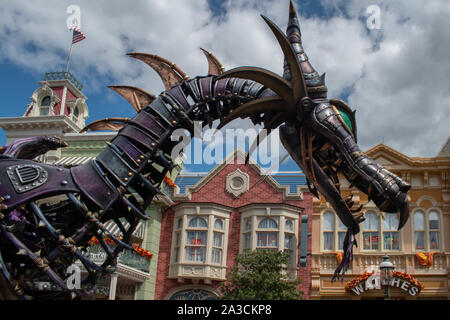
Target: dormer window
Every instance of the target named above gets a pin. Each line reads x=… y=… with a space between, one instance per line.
x=45 y=106
x=75 y=114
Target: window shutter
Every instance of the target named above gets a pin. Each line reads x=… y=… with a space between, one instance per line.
x=304 y=240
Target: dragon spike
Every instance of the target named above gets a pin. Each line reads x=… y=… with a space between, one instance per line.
x=274 y=122
x=265 y=77
x=259 y=105
x=315 y=84
x=297 y=79
x=215 y=67
x=137 y=97
x=260 y=138
x=114 y=124
x=170 y=74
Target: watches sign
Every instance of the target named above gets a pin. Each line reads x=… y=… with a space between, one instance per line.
x=370 y=281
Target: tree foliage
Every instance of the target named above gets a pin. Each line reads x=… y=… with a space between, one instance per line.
x=258 y=275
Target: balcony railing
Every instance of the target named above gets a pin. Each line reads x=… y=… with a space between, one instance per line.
x=327 y=263
x=63 y=76
x=126 y=257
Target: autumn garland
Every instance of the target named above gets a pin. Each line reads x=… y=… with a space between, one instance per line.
x=397 y=274
x=351 y=284
x=408 y=277
x=140 y=251
x=169 y=181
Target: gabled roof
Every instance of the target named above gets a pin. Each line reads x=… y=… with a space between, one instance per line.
x=445 y=150
x=291 y=187
x=394 y=159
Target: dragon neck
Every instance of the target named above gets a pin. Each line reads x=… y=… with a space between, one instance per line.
x=138 y=158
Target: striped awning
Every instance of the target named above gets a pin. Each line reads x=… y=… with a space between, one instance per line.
x=72 y=161
x=112 y=227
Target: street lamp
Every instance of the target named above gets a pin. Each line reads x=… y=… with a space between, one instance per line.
x=386 y=274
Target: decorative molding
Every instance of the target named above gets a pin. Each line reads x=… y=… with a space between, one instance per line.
x=237 y=183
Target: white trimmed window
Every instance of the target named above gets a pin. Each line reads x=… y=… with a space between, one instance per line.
x=273 y=227
x=371 y=231
x=75 y=114
x=333 y=232
x=390 y=234
x=427 y=230
x=44 y=109
x=378 y=232
x=199 y=241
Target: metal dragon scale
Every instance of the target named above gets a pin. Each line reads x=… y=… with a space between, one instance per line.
x=40 y=239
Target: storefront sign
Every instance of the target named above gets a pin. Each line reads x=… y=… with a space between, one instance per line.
x=373 y=282
x=370 y=281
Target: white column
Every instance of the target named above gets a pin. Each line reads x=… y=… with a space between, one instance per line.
x=113 y=287
x=63 y=100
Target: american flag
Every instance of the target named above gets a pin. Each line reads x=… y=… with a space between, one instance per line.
x=77 y=35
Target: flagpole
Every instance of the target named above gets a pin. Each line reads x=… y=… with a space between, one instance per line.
x=68 y=58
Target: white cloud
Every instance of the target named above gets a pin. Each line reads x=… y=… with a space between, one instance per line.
x=399 y=88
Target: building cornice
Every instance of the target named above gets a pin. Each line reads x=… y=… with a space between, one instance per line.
x=40 y=122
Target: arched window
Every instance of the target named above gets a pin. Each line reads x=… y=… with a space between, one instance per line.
x=44 y=109
x=275 y=230
x=433 y=227
x=268 y=223
x=427 y=230
x=267 y=239
x=419 y=230
x=371 y=227
x=328 y=231
x=289 y=225
x=289 y=240
x=218 y=224
x=198 y=223
x=342 y=230
x=217 y=245
x=75 y=114
x=390 y=233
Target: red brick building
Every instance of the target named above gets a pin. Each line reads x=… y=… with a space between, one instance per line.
x=232 y=208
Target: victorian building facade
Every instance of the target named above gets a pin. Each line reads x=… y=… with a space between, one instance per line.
x=420 y=251
x=218 y=215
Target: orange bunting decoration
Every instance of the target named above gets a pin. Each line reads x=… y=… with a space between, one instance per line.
x=169 y=181
x=425 y=258
x=140 y=251
x=339 y=256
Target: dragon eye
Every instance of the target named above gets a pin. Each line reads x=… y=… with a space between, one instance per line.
x=347 y=115
x=346 y=119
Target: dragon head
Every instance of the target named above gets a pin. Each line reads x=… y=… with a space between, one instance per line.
x=320 y=135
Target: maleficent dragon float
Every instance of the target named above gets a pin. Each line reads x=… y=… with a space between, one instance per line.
x=40 y=239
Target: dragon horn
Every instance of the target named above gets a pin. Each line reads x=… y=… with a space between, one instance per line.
x=297 y=79
x=265 y=77
x=170 y=73
x=215 y=67
x=256 y=106
x=137 y=97
x=114 y=124
x=315 y=84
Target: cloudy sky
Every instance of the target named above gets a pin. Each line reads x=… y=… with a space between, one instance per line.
x=390 y=63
